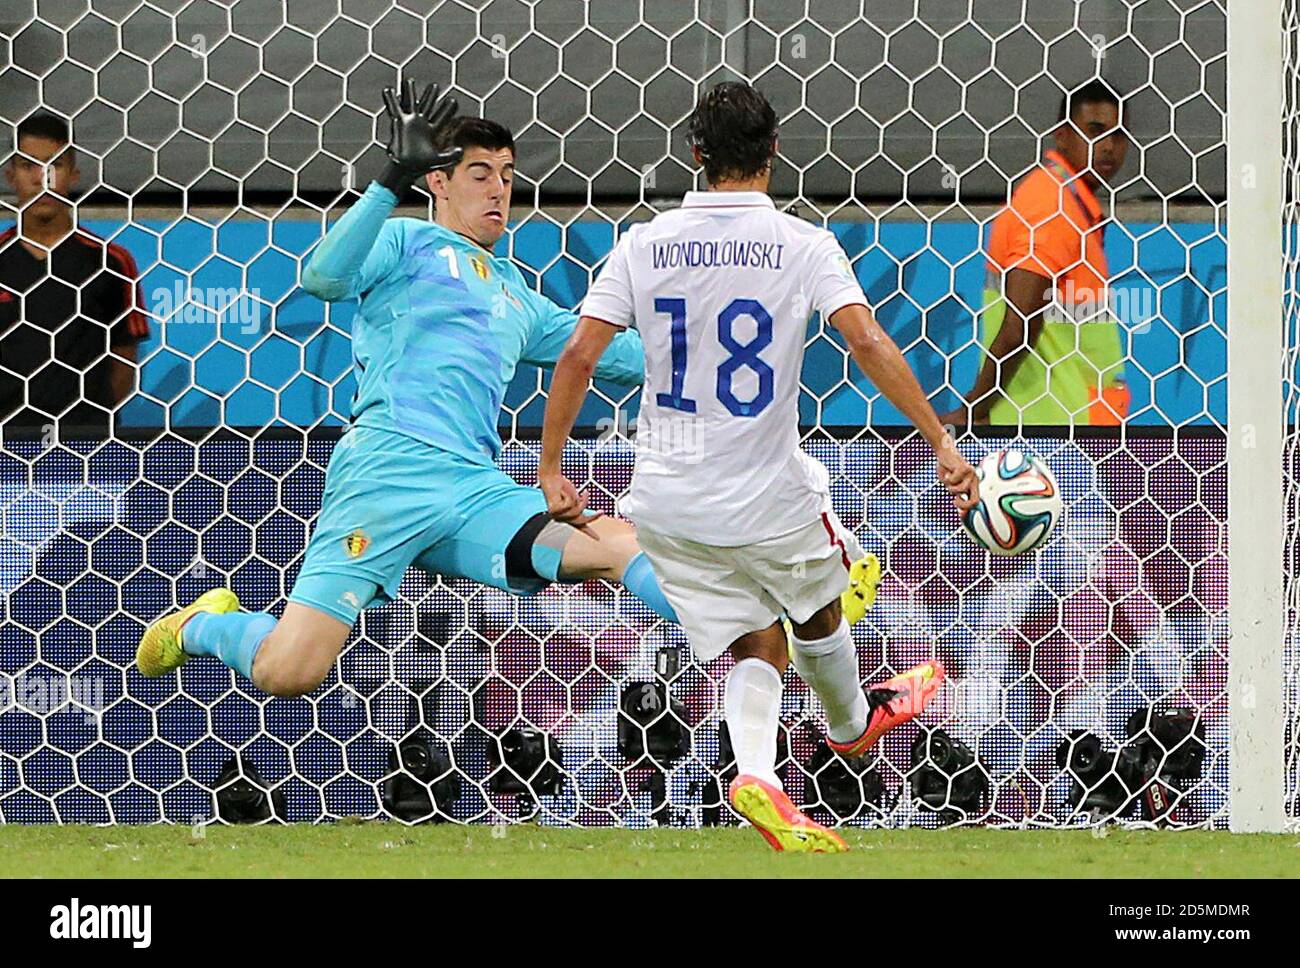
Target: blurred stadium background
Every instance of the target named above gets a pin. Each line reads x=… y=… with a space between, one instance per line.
x=218 y=139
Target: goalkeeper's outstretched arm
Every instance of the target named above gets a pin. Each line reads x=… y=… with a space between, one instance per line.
x=348 y=262
x=623 y=362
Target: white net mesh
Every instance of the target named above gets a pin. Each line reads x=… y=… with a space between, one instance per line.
x=217 y=139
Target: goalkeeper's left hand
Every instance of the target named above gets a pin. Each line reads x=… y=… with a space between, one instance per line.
x=413 y=135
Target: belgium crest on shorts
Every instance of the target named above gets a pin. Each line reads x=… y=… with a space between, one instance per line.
x=355 y=543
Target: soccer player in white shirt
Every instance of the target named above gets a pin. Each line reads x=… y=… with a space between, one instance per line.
x=735 y=518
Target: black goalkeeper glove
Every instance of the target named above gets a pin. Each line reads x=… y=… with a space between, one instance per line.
x=412 y=139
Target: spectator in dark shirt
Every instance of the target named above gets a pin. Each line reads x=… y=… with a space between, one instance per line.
x=70 y=306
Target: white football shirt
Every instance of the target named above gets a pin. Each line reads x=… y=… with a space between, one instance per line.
x=721 y=291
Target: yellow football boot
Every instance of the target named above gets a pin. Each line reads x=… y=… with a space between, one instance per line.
x=160 y=651
x=779 y=820
x=864 y=583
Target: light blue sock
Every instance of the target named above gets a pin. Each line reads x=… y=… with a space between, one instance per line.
x=639 y=579
x=233 y=637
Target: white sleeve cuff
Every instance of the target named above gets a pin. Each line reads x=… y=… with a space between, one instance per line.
x=607 y=310
x=846 y=296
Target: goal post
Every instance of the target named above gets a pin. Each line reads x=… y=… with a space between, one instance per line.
x=1255 y=416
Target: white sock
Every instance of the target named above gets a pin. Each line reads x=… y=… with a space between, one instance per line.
x=752 y=703
x=830 y=667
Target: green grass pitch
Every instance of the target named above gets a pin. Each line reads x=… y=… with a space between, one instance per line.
x=373 y=849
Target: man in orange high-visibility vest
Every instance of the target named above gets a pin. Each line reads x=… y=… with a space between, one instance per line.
x=1053 y=349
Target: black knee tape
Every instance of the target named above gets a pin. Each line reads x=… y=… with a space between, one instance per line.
x=519 y=552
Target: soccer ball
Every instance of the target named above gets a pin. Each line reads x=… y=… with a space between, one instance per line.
x=1019 y=506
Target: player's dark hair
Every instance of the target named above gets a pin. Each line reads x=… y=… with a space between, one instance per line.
x=469 y=132
x=43 y=124
x=1095 y=91
x=734 y=128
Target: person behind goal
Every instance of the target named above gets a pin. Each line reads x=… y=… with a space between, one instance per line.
x=735 y=518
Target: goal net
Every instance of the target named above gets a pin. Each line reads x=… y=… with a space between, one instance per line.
x=216 y=142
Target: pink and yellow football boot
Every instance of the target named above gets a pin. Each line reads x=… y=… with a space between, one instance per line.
x=779 y=820
x=893 y=703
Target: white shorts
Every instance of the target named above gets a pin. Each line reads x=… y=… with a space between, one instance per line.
x=722 y=593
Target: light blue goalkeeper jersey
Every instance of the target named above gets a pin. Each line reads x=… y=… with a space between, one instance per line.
x=441 y=327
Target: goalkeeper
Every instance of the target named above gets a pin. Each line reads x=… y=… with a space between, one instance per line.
x=441 y=327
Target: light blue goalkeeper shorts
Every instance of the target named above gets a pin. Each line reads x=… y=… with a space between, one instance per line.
x=392 y=502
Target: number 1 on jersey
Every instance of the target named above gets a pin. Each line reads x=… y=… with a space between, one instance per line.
x=448 y=253
x=676 y=400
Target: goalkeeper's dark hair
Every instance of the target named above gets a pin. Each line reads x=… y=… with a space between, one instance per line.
x=734 y=128
x=1095 y=91
x=469 y=132
x=43 y=124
